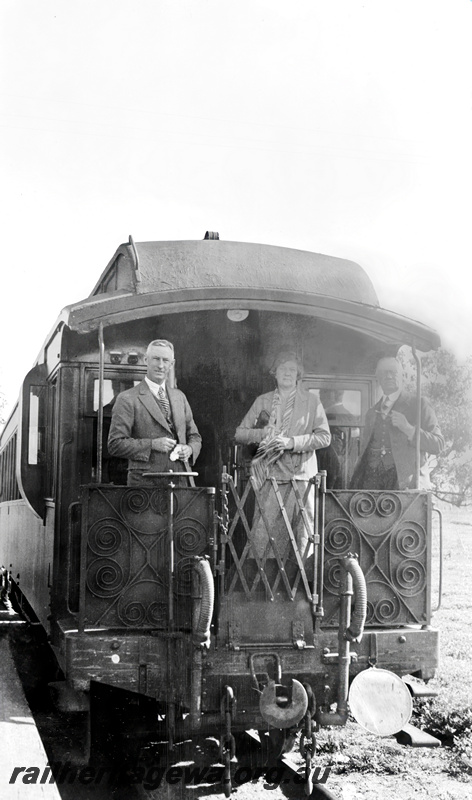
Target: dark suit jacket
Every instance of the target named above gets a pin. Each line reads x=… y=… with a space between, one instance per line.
x=403 y=451
x=137 y=418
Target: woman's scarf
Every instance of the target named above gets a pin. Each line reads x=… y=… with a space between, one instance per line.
x=269 y=451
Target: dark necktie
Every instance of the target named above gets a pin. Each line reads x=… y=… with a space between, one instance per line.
x=386 y=406
x=163 y=402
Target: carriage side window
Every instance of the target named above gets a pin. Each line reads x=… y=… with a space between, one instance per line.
x=36 y=427
x=8 y=484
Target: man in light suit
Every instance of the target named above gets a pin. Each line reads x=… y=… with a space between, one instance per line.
x=388 y=453
x=152 y=424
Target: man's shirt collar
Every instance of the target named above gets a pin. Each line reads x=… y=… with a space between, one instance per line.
x=154 y=387
x=393 y=397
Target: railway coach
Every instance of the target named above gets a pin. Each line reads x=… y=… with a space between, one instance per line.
x=149 y=590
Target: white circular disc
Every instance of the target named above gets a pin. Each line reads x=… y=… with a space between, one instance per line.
x=380 y=701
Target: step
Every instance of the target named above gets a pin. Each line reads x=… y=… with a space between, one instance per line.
x=415 y=737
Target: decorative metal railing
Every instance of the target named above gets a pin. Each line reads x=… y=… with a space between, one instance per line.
x=137 y=551
x=389 y=531
x=138 y=546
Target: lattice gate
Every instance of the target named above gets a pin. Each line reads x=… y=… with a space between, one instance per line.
x=389 y=531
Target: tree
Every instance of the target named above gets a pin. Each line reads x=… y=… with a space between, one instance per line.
x=448 y=386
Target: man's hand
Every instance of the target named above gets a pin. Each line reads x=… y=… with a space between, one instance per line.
x=163 y=445
x=185 y=451
x=400 y=421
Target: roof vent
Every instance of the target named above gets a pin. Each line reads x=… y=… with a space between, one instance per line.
x=212 y=235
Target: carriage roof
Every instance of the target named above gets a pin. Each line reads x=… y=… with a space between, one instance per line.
x=152 y=278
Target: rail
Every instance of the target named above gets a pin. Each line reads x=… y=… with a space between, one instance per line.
x=440 y=517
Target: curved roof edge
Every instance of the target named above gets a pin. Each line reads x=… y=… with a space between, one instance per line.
x=147 y=267
x=369 y=319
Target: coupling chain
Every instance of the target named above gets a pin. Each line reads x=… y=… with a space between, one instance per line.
x=223 y=520
x=228 y=742
x=308 y=748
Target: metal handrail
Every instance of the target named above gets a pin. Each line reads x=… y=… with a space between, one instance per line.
x=169 y=474
x=75 y=504
x=101 y=373
x=440 y=515
x=418 y=419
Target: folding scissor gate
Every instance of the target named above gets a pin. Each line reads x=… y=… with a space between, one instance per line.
x=263 y=565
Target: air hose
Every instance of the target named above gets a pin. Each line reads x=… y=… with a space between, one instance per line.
x=356 y=627
x=203 y=603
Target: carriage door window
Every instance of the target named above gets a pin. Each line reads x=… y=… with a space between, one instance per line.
x=114 y=470
x=344 y=405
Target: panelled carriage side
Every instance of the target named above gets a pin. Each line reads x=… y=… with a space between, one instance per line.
x=118 y=575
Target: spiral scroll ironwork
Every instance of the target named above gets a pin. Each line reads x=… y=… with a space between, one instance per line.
x=190 y=537
x=105 y=577
x=143 y=602
x=127 y=554
x=389 y=531
x=375 y=513
x=410 y=540
x=341 y=537
x=332 y=575
x=106 y=536
x=411 y=577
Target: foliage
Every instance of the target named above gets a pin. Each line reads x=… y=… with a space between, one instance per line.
x=452 y=727
x=2 y=406
x=448 y=386
x=448 y=726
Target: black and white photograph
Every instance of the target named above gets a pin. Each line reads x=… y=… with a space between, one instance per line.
x=236 y=399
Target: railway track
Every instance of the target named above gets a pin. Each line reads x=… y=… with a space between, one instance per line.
x=129 y=762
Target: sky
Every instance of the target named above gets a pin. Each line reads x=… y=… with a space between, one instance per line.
x=337 y=126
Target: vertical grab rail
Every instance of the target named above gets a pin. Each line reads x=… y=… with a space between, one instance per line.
x=170 y=530
x=439 y=513
x=418 y=418
x=224 y=528
x=83 y=556
x=101 y=370
x=318 y=558
x=322 y=516
x=316 y=550
x=75 y=504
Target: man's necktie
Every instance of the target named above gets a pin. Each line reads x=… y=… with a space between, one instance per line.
x=164 y=403
x=386 y=406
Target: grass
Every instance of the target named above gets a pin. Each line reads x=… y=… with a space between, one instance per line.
x=448 y=717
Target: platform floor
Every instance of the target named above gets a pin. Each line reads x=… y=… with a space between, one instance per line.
x=20 y=743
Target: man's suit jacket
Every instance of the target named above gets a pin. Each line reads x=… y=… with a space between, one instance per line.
x=403 y=450
x=137 y=419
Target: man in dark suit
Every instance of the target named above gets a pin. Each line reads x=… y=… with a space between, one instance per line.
x=152 y=424
x=388 y=454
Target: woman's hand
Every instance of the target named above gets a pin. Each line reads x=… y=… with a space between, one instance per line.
x=284 y=442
